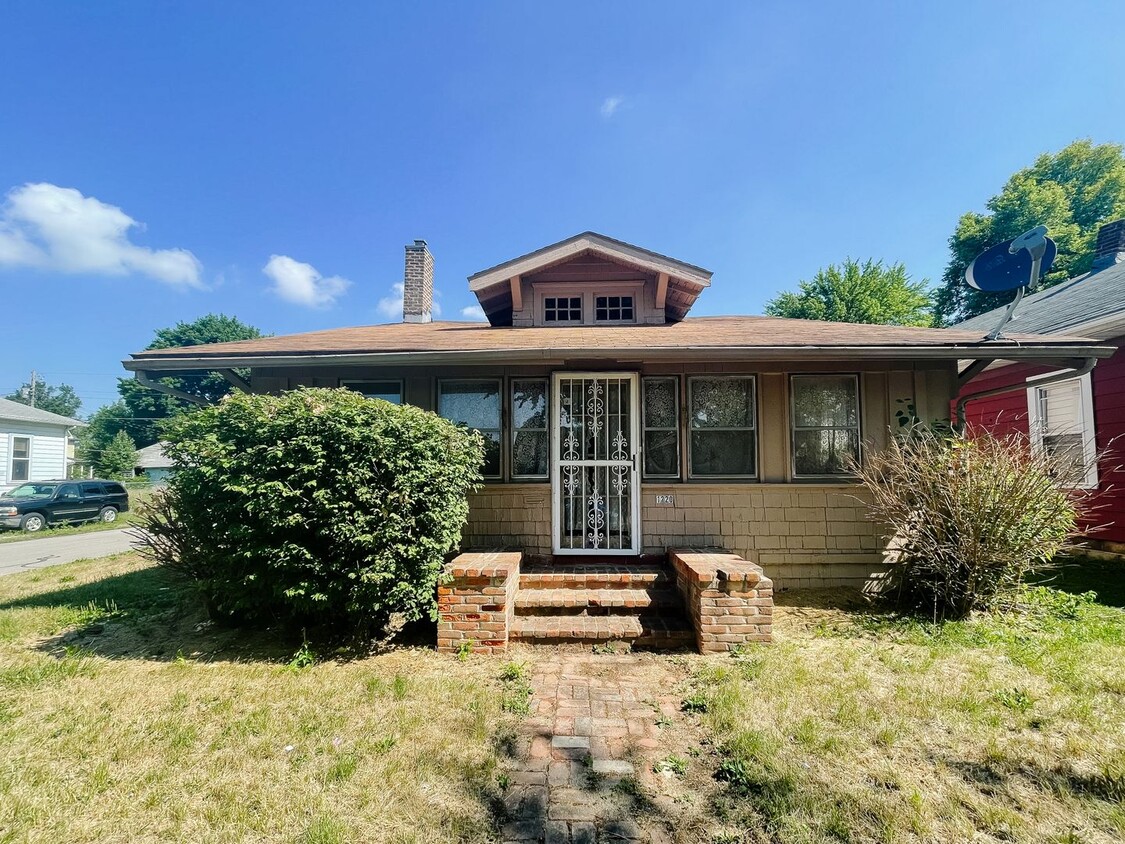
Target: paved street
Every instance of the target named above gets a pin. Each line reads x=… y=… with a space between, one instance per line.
x=52 y=550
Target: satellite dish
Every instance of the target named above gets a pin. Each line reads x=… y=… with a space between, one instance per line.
x=1015 y=264
x=1007 y=265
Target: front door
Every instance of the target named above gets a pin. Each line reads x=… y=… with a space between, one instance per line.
x=594 y=479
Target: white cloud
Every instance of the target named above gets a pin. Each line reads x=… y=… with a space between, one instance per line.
x=302 y=284
x=610 y=106
x=59 y=230
x=390 y=307
x=474 y=312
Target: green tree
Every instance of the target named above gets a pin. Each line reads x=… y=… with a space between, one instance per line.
x=118 y=460
x=61 y=399
x=853 y=292
x=1072 y=192
x=102 y=426
x=147 y=407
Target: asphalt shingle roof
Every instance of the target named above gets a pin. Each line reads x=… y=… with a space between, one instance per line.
x=1062 y=307
x=16 y=412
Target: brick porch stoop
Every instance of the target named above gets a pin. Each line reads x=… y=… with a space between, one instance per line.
x=591 y=727
x=730 y=600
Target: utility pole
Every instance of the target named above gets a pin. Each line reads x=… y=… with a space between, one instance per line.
x=33 y=388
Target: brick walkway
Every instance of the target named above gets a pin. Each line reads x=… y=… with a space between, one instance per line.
x=591 y=734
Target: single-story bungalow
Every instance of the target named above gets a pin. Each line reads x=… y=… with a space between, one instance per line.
x=34 y=444
x=619 y=426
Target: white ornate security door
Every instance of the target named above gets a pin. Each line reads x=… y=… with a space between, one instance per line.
x=594 y=478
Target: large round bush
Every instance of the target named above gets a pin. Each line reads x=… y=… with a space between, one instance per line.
x=318 y=506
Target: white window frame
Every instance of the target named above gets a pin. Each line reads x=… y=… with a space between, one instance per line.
x=348 y=383
x=794 y=428
x=513 y=430
x=12 y=456
x=500 y=385
x=1089 y=426
x=588 y=292
x=753 y=429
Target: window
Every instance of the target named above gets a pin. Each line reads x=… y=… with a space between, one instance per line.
x=68 y=493
x=386 y=390
x=613 y=309
x=722 y=419
x=1062 y=426
x=21 y=459
x=661 y=417
x=825 y=424
x=562 y=309
x=92 y=489
x=530 y=444
x=475 y=404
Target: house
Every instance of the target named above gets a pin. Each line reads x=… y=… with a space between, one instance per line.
x=1082 y=417
x=33 y=444
x=152 y=465
x=619 y=426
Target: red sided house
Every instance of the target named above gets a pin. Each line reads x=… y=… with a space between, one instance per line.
x=1082 y=415
x=623 y=433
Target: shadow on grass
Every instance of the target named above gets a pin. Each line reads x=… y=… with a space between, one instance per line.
x=153 y=614
x=1087 y=574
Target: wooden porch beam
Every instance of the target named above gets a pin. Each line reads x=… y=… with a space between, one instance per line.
x=235 y=380
x=517 y=293
x=661 y=290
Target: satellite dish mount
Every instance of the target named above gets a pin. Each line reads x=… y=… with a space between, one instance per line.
x=1015 y=264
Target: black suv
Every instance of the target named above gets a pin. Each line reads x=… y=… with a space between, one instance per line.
x=36 y=504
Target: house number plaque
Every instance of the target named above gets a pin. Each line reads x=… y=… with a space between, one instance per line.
x=666 y=499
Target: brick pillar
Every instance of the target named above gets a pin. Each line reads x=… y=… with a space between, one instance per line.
x=730 y=601
x=418 y=284
x=476 y=602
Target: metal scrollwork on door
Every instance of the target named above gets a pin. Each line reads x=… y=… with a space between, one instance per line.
x=595 y=407
x=620 y=471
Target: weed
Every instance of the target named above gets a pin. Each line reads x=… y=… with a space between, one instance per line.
x=515 y=697
x=503 y=781
x=671 y=766
x=663 y=721
x=695 y=702
x=342 y=768
x=324 y=829
x=465 y=649
x=384 y=745
x=1015 y=699
x=399 y=687
x=513 y=670
x=304 y=657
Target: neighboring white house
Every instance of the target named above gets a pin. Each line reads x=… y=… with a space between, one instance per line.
x=33 y=444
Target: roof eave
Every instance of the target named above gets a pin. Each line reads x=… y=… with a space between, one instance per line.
x=985 y=351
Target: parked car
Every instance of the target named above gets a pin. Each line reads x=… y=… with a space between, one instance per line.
x=34 y=505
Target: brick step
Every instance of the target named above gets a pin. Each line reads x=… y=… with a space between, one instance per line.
x=671 y=631
x=593 y=577
x=574 y=601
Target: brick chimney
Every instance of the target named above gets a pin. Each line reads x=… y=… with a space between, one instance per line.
x=1110 y=247
x=418 y=284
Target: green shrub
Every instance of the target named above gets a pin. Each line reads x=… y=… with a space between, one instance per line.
x=317 y=507
x=967 y=517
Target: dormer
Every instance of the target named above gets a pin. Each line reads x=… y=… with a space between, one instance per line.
x=589 y=279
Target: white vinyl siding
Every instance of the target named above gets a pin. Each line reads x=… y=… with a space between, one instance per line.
x=1061 y=419
x=47 y=451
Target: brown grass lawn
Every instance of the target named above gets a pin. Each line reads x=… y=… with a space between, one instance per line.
x=124 y=717
x=858 y=726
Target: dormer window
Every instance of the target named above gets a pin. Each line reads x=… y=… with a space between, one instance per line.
x=562 y=309
x=613 y=308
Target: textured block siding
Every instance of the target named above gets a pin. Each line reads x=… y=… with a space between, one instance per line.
x=477 y=601
x=516 y=516
x=802 y=535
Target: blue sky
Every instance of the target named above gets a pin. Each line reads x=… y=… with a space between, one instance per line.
x=761 y=140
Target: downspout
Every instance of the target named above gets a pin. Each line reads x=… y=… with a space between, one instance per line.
x=1087 y=365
